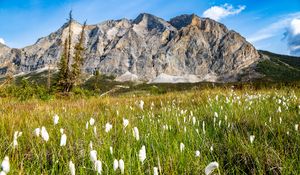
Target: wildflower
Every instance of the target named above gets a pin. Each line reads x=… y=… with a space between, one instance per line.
x=5 y=164
x=92 y=121
x=211 y=148
x=87 y=125
x=181 y=147
x=37 y=132
x=296 y=127
x=252 y=137
x=63 y=140
x=91 y=145
x=55 y=119
x=141 y=104
x=216 y=115
x=116 y=164
x=108 y=127
x=280 y=120
x=155 y=171
x=2 y=173
x=203 y=127
x=121 y=166
x=93 y=155
x=17 y=134
x=95 y=130
x=211 y=167
x=111 y=150
x=194 y=120
x=279 y=109
x=136 y=133
x=72 y=168
x=98 y=166
x=142 y=154
x=44 y=134
x=125 y=122
x=197 y=153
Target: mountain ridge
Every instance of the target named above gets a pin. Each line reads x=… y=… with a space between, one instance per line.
x=147 y=47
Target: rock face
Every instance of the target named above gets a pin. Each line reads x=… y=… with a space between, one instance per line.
x=146 y=48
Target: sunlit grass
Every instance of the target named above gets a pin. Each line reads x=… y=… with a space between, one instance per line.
x=164 y=123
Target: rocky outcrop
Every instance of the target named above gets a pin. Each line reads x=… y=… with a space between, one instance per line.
x=147 y=48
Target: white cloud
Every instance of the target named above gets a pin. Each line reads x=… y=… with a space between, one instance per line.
x=289 y=25
x=219 y=12
x=293 y=37
x=2 y=41
x=273 y=29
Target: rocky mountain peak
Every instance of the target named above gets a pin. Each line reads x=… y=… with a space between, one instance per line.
x=187 y=48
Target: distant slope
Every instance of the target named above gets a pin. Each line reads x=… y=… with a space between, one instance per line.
x=279 y=67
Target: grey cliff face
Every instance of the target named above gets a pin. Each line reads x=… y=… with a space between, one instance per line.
x=147 y=48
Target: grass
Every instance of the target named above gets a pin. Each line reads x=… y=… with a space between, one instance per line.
x=240 y=114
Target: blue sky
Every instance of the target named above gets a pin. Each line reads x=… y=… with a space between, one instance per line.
x=268 y=24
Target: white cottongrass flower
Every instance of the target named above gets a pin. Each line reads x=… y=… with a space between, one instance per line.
x=37 y=132
x=136 y=133
x=280 y=120
x=116 y=164
x=216 y=115
x=197 y=153
x=181 y=147
x=98 y=166
x=17 y=134
x=279 y=109
x=72 y=168
x=155 y=171
x=95 y=130
x=297 y=127
x=63 y=140
x=111 y=150
x=5 y=164
x=211 y=148
x=55 y=119
x=203 y=127
x=93 y=155
x=108 y=127
x=252 y=137
x=44 y=134
x=2 y=173
x=87 y=125
x=91 y=145
x=121 y=166
x=92 y=121
x=142 y=154
x=194 y=120
x=141 y=104
x=125 y=122
x=211 y=167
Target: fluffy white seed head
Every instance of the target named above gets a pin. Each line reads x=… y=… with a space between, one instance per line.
x=55 y=119
x=181 y=147
x=136 y=133
x=211 y=167
x=252 y=137
x=44 y=134
x=5 y=164
x=108 y=127
x=197 y=153
x=142 y=154
x=121 y=166
x=72 y=168
x=63 y=140
x=92 y=121
x=93 y=155
x=98 y=166
x=116 y=164
x=155 y=171
x=125 y=122
x=37 y=132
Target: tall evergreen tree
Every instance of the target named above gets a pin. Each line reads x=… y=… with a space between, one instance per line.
x=78 y=57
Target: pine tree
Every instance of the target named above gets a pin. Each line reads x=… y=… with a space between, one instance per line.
x=78 y=58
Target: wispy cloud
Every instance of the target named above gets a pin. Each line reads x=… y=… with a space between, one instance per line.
x=273 y=29
x=219 y=12
x=2 y=41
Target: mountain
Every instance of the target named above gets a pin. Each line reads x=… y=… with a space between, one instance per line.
x=185 y=49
